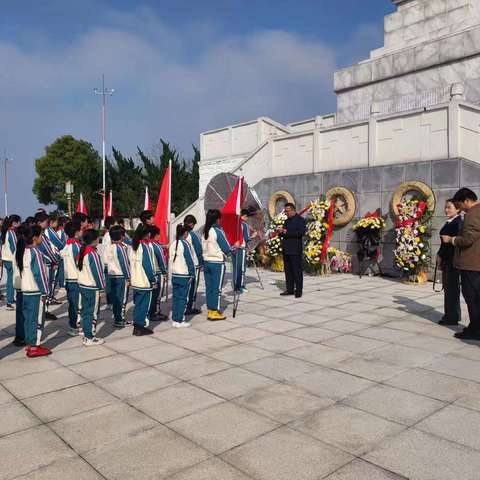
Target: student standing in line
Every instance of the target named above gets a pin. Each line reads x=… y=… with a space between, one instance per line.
x=118 y=271
x=19 y=340
x=106 y=242
x=34 y=285
x=69 y=254
x=91 y=282
x=127 y=240
x=9 y=246
x=450 y=275
x=52 y=259
x=183 y=273
x=196 y=248
x=160 y=267
x=81 y=219
x=215 y=248
x=146 y=217
x=142 y=279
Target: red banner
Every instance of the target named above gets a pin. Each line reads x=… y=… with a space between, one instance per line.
x=329 y=231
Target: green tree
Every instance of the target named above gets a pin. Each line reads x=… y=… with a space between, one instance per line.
x=124 y=177
x=184 y=174
x=69 y=159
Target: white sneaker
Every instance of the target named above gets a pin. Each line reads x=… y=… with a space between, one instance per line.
x=91 y=342
x=185 y=324
x=180 y=324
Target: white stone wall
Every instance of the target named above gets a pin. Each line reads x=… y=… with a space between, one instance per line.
x=469 y=124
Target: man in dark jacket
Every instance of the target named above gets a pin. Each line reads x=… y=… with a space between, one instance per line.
x=467 y=258
x=292 y=235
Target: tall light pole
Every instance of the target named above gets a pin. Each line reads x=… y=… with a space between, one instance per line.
x=103 y=92
x=5 y=181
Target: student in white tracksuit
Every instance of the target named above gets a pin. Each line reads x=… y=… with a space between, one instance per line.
x=9 y=246
x=215 y=248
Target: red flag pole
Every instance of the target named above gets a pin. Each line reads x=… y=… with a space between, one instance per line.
x=169 y=213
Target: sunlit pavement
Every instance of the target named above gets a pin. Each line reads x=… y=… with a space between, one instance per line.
x=353 y=381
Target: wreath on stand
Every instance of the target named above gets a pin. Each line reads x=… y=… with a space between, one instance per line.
x=369 y=233
x=412 y=254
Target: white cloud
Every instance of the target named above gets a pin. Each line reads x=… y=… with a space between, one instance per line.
x=169 y=83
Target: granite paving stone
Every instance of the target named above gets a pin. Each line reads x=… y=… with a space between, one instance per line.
x=361 y=470
x=161 y=353
x=347 y=428
x=286 y=454
x=420 y=456
x=211 y=469
x=393 y=404
x=193 y=367
x=223 y=427
x=174 y=402
x=240 y=354
x=106 y=367
x=15 y=417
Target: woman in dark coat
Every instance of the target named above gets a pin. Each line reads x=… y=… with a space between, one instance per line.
x=450 y=275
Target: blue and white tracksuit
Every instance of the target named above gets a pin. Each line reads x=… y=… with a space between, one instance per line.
x=19 y=318
x=52 y=259
x=91 y=281
x=9 y=248
x=160 y=267
x=214 y=249
x=106 y=243
x=239 y=261
x=69 y=259
x=197 y=255
x=142 y=279
x=58 y=240
x=34 y=285
x=118 y=273
x=183 y=274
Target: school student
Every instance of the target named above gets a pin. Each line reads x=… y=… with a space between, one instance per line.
x=118 y=271
x=9 y=246
x=81 y=219
x=215 y=248
x=91 y=282
x=142 y=279
x=34 y=286
x=196 y=248
x=127 y=240
x=52 y=259
x=69 y=255
x=239 y=257
x=160 y=268
x=183 y=273
x=19 y=340
x=106 y=242
x=56 y=234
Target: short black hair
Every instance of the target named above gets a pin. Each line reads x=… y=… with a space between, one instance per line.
x=79 y=217
x=189 y=219
x=71 y=228
x=146 y=215
x=291 y=205
x=109 y=222
x=41 y=217
x=244 y=211
x=116 y=233
x=465 y=194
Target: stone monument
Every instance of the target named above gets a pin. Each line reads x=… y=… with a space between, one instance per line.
x=409 y=113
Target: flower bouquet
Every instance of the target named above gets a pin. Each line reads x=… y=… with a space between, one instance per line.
x=412 y=254
x=339 y=261
x=273 y=243
x=317 y=228
x=368 y=230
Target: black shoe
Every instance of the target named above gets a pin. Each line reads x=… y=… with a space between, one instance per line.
x=445 y=321
x=159 y=317
x=50 y=316
x=298 y=294
x=140 y=331
x=19 y=342
x=193 y=311
x=285 y=294
x=119 y=325
x=467 y=335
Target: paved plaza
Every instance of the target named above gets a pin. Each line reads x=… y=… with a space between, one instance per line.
x=354 y=381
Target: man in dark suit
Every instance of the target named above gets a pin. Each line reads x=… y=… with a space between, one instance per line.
x=292 y=235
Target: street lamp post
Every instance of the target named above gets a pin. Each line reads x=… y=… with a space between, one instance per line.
x=103 y=92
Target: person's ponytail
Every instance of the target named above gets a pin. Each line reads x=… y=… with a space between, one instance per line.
x=140 y=234
x=213 y=215
x=181 y=229
x=25 y=238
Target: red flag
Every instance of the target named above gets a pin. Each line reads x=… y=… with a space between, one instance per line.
x=81 y=207
x=147 y=204
x=162 y=214
x=231 y=214
x=329 y=231
x=109 y=207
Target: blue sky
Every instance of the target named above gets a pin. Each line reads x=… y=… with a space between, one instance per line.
x=179 y=68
